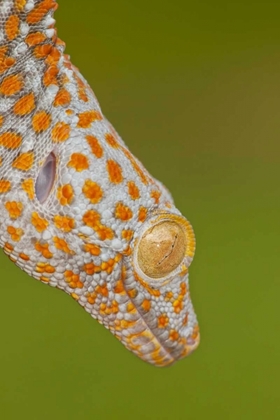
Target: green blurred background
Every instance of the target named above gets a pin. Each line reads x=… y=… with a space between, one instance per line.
x=193 y=88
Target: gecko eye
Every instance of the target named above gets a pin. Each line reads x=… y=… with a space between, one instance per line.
x=165 y=248
x=45 y=179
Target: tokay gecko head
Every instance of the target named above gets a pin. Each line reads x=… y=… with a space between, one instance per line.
x=77 y=210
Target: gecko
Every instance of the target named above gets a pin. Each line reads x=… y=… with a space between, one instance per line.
x=77 y=210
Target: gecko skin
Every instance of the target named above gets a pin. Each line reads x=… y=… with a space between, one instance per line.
x=77 y=210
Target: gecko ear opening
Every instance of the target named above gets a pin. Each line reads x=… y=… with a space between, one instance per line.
x=45 y=178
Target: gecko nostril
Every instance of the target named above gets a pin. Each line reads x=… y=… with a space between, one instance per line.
x=45 y=178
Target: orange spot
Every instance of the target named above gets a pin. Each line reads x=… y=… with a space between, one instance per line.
x=146 y=305
x=87 y=118
x=123 y=212
x=35 y=38
x=50 y=76
x=64 y=223
x=73 y=280
x=111 y=140
x=108 y=266
x=42 y=51
x=119 y=288
x=183 y=287
x=43 y=249
x=105 y=232
x=142 y=214
x=11 y=85
x=10 y=140
x=38 y=222
x=133 y=190
x=8 y=248
x=112 y=308
x=81 y=89
x=24 y=161
x=65 y=194
x=45 y=268
x=132 y=293
x=92 y=219
x=12 y=27
x=91 y=298
x=14 y=209
x=1 y=160
x=5 y=62
x=28 y=187
x=168 y=296
x=41 y=121
x=95 y=146
x=82 y=94
x=62 y=245
x=91 y=268
x=53 y=59
x=61 y=132
x=163 y=321
x=24 y=256
x=37 y=14
x=63 y=98
x=25 y=105
x=5 y=186
x=1 y=120
x=79 y=162
x=92 y=191
x=19 y=4
x=92 y=249
x=155 y=194
x=127 y=234
x=3 y=52
x=173 y=335
x=102 y=290
x=114 y=171
x=60 y=43
x=178 y=306
x=131 y=308
x=15 y=233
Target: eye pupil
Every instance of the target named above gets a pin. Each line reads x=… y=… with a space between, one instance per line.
x=45 y=178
